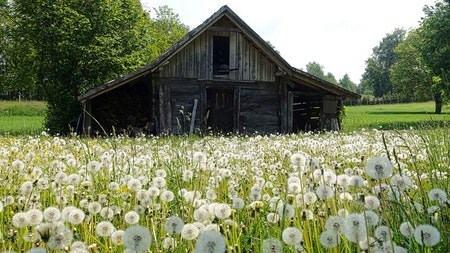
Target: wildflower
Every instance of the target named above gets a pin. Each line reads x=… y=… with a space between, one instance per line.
x=238 y=203
x=298 y=160
x=222 y=211
x=76 y=216
x=324 y=192
x=427 y=235
x=334 y=224
x=137 y=238
x=20 y=220
x=201 y=215
x=356 y=181
x=117 y=237
x=329 y=239
x=131 y=217
x=371 y=202
x=310 y=198
x=35 y=216
x=105 y=229
x=60 y=238
x=93 y=166
x=188 y=175
x=167 y=196
x=154 y=191
x=402 y=182
x=292 y=236
x=407 y=229
x=379 y=168
x=113 y=186
x=189 y=232
x=210 y=241
x=343 y=180
x=169 y=243
x=78 y=245
x=371 y=217
x=437 y=194
x=134 y=185
x=383 y=233
x=107 y=213
x=354 y=227
x=174 y=225
x=94 y=207
x=26 y=187
x=272 y=245
x=286 y=210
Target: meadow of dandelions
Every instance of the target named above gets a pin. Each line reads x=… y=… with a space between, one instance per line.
x=370 y=191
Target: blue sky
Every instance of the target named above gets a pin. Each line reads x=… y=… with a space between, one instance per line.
x=339 y=35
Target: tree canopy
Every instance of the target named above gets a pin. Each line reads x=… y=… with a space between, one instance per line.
x=66 y=47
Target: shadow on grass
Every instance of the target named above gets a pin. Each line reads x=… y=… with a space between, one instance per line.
x=413 y=113
x=430 y=124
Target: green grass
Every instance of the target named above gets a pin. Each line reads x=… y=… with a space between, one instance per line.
x=394 y=116
x=27 y=117
x=21 y=118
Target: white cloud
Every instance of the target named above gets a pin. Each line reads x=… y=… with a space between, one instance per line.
x=339 y=35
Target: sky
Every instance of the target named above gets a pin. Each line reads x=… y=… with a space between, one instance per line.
x=338 y=34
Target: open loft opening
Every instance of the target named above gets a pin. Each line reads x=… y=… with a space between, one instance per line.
x=221 y=57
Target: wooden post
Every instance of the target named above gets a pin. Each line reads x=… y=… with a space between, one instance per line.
x=290 y=112
x=236 y=109
x=194 y=112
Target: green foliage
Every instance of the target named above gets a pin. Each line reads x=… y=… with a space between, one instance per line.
x=71 y=46
x=378 y=65
x=435 y=48
x=317 y=70
x=345 y=82
x=411 y=78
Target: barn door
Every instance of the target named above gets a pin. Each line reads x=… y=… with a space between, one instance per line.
x=219 y=109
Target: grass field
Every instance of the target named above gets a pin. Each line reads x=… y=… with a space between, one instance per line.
x=394 y=116
x=25 y=117
x=28 y=117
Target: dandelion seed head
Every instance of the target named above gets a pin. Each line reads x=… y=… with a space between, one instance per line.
x=272 y=245
x=379 y=168
x=292 y=236
x=407 y=229
x=427 y=235
x=169 y=243
x=20 y=220
x=117 y=237
x=334 y=224
x=211 y=242
x=137 y=238
x=329 y=239
x=371 y=202
x=189 y=232
x=173 y=225
x=35 y=216
x=238 y=203
x=437 y=195
x=131 y=217
x=167 y=196
x=60 y=238
x=105 y=229
x=354 y=227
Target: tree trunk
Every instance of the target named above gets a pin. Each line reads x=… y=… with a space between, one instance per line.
x=438 y=103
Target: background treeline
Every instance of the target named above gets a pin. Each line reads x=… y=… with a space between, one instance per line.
x=406 y=66
x=56 y=50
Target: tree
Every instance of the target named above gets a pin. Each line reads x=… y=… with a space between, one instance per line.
x=77 y=45
x=166 y=30
x=345 y=82
x=315 y=69
x=378 y=65
x=410 y=77
x=435 y=49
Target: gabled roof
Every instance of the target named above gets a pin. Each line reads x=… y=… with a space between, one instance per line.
x=190 y=36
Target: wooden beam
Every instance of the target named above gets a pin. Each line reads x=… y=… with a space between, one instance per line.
x=194 y=113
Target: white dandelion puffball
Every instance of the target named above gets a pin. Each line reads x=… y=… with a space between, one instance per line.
x=355 y=227
x=105 y=229
x=371 y=202
x=189 y=232
x=272 y=245
x=137 y=238
x=437 y=194
x=210 y=241
x=427 y=235
x=173 y=225
x=407 y=229
x=379 y=168
x=117 y=237
x=132 y=217
x=329 y=239
x=292 y=236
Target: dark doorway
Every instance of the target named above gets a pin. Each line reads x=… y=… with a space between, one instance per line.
x=306 y=112
x=219 y=113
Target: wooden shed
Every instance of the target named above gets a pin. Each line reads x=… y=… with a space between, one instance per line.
x=220 y=77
